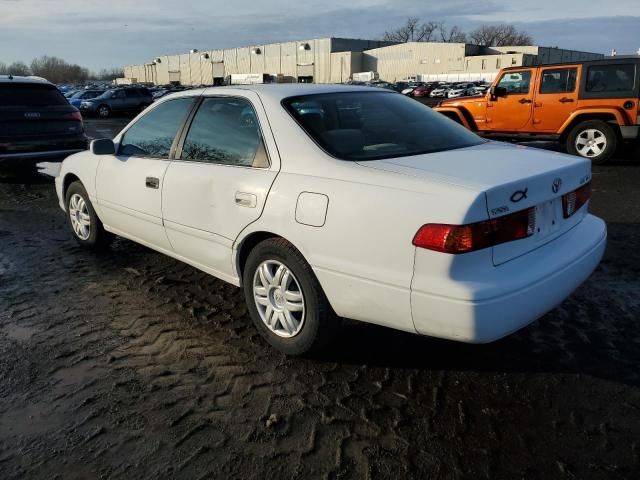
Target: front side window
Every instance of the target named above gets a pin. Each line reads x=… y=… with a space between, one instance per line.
x=153 y=134
x=516 y=82
x=225 y=131
x=611 y=78
x=361 y=126
x=558 y=80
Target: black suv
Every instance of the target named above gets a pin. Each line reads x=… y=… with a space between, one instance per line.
x=130 y=99
x=36 y=122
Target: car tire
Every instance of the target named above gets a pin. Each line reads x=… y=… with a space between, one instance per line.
x=288 y=281
x=104 y=111
x=86 y=227
x=593 y=139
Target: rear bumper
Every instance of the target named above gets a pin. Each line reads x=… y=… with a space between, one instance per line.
x=489 y=305
x=630 y=132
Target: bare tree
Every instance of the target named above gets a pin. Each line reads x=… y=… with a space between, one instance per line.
x=16 y=68
x=451 y=35
x=56 y=70
x=108 y=74
x=412 y=31
x=499 y=35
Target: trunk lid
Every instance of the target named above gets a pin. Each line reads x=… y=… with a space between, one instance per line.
x=513 y=178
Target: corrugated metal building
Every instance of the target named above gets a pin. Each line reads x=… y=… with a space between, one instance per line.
x=321 y=60
x=334 y=60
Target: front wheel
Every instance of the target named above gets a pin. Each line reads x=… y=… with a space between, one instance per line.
x=285 y=300
x=593 y=139
x=85 y=225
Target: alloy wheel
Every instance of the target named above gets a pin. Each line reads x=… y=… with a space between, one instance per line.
x=279 y=298
x=591 y=143
x=80 y=218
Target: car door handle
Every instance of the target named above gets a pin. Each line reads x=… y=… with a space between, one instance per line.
x=244 y=199
x=524 y=100
x=565 y=100
x=152 y=182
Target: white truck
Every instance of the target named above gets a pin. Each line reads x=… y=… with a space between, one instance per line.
x=248 y=78
x=364 y=76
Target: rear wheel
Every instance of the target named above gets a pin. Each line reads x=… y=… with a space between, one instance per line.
x=593 y=139
x=85 y=225
x=104 y=111
x=285 y=300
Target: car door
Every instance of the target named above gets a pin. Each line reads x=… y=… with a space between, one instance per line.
x=556 y=97
x=218 y=184
x=512 y=112
x=132 y=99
x=129 y=183
x=118 y=101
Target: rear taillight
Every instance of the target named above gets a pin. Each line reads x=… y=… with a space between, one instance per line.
x=573 y=201
x=73 y=116
x=475 y=236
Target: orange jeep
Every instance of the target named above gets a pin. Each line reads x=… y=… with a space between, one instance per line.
x=591 y=107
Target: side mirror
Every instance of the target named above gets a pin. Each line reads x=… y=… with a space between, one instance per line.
x=498 y=92
x=102 y=146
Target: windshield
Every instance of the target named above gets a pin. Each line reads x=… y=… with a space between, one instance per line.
x=375 y=125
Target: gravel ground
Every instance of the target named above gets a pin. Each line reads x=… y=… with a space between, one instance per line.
x=128 y=364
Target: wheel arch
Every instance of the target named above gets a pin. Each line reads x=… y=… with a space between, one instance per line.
x=609 y=116
x=68 y=179
x=249 y=242
x=459 y=115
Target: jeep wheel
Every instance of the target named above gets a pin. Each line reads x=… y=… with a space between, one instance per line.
x=593 y=139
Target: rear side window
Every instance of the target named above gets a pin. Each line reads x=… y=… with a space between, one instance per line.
x=30 y=95
x=611 y=78
x=225 y=131
x=375 y=125
x=558 y=80
x=153 y=134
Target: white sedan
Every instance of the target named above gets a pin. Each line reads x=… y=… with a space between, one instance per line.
x=369 y=206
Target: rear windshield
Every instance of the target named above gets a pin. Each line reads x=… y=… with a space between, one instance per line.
x=375 y=125
x=30 y=95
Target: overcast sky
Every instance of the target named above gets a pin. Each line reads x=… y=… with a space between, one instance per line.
x=110 y=33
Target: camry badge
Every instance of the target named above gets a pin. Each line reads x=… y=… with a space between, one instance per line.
x=519 y=195
x=555 y=186
x=32 y=115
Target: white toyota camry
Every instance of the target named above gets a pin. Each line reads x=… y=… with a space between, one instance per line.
x=324 y=202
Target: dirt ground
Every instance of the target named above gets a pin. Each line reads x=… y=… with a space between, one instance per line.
x=128 y=364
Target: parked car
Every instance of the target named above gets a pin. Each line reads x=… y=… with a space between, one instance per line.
x=490 y=236
x=590 y=107
x=130 y=99
x=423 y=90
x=461 y=90
x=36 y=123
x=78 y=97
x=440 y=91
x=480 y=89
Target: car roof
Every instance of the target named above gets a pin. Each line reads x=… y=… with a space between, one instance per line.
x=20 y=79
x=280 y=91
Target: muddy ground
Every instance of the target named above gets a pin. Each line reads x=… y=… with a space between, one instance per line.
x=128 y=364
